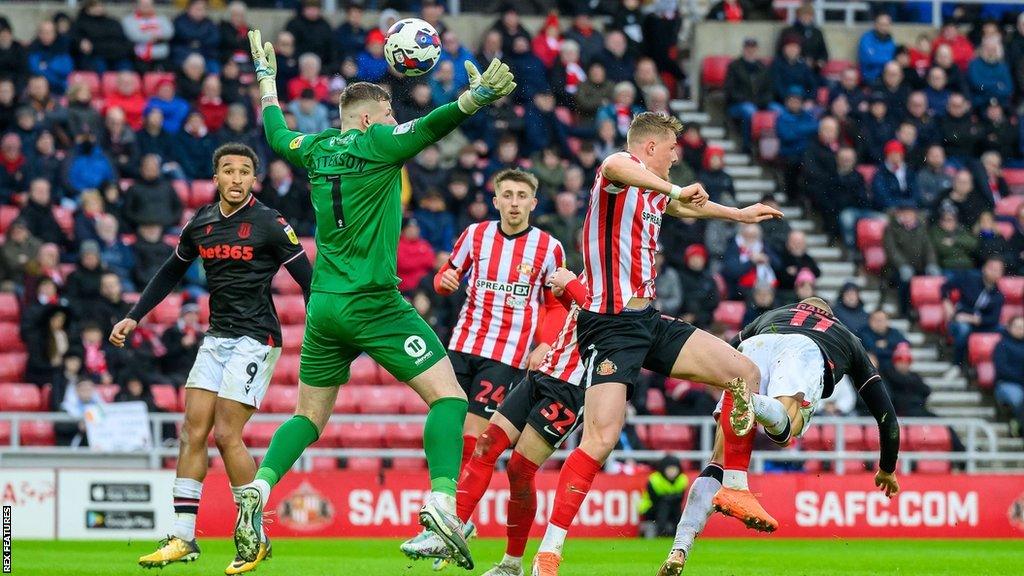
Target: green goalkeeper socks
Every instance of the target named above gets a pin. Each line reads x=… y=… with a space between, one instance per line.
x=442 y=441
x=286 y=446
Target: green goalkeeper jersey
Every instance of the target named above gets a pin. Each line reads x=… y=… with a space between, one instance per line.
x=356 y=187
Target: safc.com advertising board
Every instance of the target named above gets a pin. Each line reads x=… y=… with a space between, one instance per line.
x=807 y=506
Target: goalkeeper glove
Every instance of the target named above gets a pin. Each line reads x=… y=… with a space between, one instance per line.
x=265 y=62
x=495 y=83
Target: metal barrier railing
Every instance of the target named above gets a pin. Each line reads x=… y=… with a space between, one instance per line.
x=980 y=440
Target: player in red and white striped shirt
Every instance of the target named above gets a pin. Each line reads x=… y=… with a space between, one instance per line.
x=618 y=329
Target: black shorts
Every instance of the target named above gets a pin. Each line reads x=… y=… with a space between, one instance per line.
x=485 y=381
x=550 y=406
x=614 y=347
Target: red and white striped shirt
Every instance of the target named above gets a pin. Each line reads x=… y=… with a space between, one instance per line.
x=620 y=238
x=563 y=360
x=508 y=275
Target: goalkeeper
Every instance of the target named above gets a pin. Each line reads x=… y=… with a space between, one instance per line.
x=355 y=175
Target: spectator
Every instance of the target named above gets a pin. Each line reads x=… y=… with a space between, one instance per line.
x=234 y=34
x=189 y=79
x=531 y=76
x=545 y=129
x=988 y=180
x=150 y=252
x=44 y=267
x=956 y=80
x=310 y=115
x=989 y=76
x=648 y=81
x=90 y=208
x=194 y=147
x=548 y=167
x=120 y=142
x=287 y=60
x=908 y=390
x=65 y=379
x=936 y=91
x=127 y=96
x=38 y=214
x=718 y=184
x=437 y=226
x=289 y=196
x=728 y=11
x=48 y=57
x=80 y=116
x=567 y=74
x=415 y=256
x=851 y=201
x=455 y=52
x=748 y=261
x=747 y=88
x=153 y=139
x=236 y=128
x=510 y=28
x=849 y=86
x=43 y=162
x=195 y=33
x=693 y=146
x=350 y=35
x=997 y=133
x=12 y=166
x=150 y=33
x=1016 y=244
x=309 y=78
x=18 y=249
x=416 y=105
x=83 y=285
x=849 y=307
x=588 y=38
x=969 y=203
x=181 y=340
x=98 y=40
x=991 y=243
x=371 y=65
x=8 y=100
x=152 y=199
x=979 y=306
x=95 y=356
x=173 y=108
x=847 y=125
x=959 y=45
x=794 y=260
x=894 y=182
x=311 y=31
x=563 y=224
x=210 y=103
x=76 y=401
x=670 y=293
x=794 y=127
x=616 y=57
x=954 y=245
x=808 y=35
x=45 y=332
x=933 y=179
x=426 y=173
x=596 y=91
x=958 y=130
x=876 y=48
x=761 y=300
x=700 y=291
x=775 y=232
x=661 y=503
x=13 y=57
x=893 y=87
x=906 y=134
x=1008 y=359
x=908 y=250
x=117 y=257
x=790 y=70
x=621 y=110
x=442 y=84
x=87 y=166
x=490 y=48
x=819 y=173
x=880 y=339
x=878 y=129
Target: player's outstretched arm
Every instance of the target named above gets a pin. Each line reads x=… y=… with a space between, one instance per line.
x=712 y=210
x=878 y=402
x=166 y=278
x=624 y=170
x=284 y=142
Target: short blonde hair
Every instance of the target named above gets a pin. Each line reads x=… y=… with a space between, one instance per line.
x=516 y=175
x=648 y=124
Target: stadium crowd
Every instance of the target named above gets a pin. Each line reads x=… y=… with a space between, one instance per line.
x=107 y=128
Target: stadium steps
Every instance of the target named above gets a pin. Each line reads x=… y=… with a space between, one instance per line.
x=952 y=395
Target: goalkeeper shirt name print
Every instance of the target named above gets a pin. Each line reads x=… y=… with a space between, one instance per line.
x=241 y=253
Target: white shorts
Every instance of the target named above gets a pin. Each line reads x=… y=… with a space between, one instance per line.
x=238 y=369
x=791 y=365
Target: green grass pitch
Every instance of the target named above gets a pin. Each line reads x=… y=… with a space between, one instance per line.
x=756 y=557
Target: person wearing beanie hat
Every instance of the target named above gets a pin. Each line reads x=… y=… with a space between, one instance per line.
x=715 y=179
x=804 y=284
x=548 y=41
x=700 y=291
x=894 y=181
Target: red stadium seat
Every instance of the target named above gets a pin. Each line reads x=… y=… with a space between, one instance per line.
x=167 y=311
x=929 y=438
x=933 y=467
x=12 y=366
x=9 y=309
x=347 y=402
x=408 y=464
x=10 y=337
x=109 y=82
x=403 y=436
x=291 y=309
x=874 y=259
x=411 y=402
x=1014 y=179
x=45 y=394
x=763 y=121
x=318 y=463
x=1010 y=311
x=5 y=433
x=21 y=398
x=655 y=402
x=364 y=371
x=258 y=434
x=723 y=289
x=364 y=464
x=283 y=283
x=361 y=435
x=870 y=232
x=292 y=337
x=1012 y=288
x=37 y=433
x=330 y=437
x=165 y=397
x=1010 y=205
x=7 y=215
x=151 y=79
x=670 y=437
x=926 y=290
x=181 y=189
x=871 y=439
x=713 y=69
x=932 y=317
x=986 y=375
x=203 y=192
x=380 y=400
x=90 y=79
x=834 y=68
x=980 y=347
x=853 y=437
x=281 y=399
x=730 y=313
x=287 y=370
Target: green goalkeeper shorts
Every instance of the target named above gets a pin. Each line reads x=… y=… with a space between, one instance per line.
x=341 y=326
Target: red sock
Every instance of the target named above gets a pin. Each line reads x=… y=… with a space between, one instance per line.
x=468 y=445
x=574 y=482
x=522 y=503
x=737 y=448
x=476 y=474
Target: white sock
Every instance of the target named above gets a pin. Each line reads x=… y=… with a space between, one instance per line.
x=696 y=512
x=235 y=492
x=512 y=560
x=264 y=487
x=554 y=539
x=444 y=501
x=736 y=479
x=186 y=493
x=770 y=413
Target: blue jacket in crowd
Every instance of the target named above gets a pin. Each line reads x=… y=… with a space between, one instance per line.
x=976 y=299
x=51 y=62
x=785 y=74
x=175 y=110
x=795 y=132
x=1009 y=360
x=438 y=228
x=89 y=170
x=886 y=191
x=873 y=54
x=202 y=37
x=458 y=61
x=989 y=81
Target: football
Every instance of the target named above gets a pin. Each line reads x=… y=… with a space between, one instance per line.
x=412 y=47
